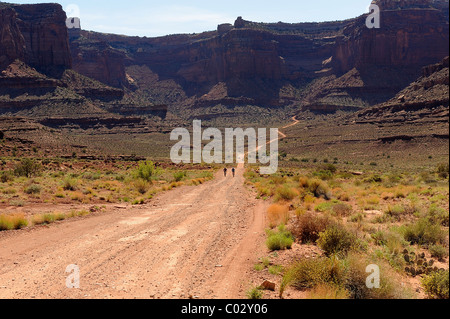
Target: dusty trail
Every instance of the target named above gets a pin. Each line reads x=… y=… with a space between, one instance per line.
x=190 y=242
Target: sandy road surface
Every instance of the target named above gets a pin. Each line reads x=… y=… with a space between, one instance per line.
x=190 y=242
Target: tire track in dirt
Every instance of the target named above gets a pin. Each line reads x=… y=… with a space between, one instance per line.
x=190 y=242
x=170 y=249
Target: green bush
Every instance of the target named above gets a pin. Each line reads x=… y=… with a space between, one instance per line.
x=70 y=184
x=336 y=239
x=436 y=285
x=319 y=189
x=179 y=176
x=348 y=276
x=438 y=215
x=33 y=189
x=423 y=232
x=92 y=176
x=398 y=212
x=356 y=276
x=443 y=170
x=6 y=177
x=309 y=273
x=146 y=171
x=324 y=207
x=255 y=293
x=438 y=251
x=279 y=240
x=27 y=168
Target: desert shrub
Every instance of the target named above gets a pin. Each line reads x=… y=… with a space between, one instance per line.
x=27 y=168
x=438 y=215
x=92 y=176
x=310 y=273
x=427 y=177
x=395 y=212
x=344 y=197
x=255 y=293
x=330 y=167
x=324 y=207
x=392 y=246
x=342 y=209
x=393 y=241
x=436 y=284
x=179 y=176
x=279 y=240
x=326 y=172
x=70 y=184
x=438 y=251
x=356 y=280
x=48 y=218
x=141 y=186
x=284 y=193
x=146 y=171
x=309 y=225
x=33 y=189
x=11 y=222
x=357 y=218
x=17 y=203
x=275 y=269
x=319 y=189
x=423 y=232
x=373 y=179
x=6 y=177
x=399 y=194
x=343 y=278
x=277 y=215
x=336 y=239
x=443 y=170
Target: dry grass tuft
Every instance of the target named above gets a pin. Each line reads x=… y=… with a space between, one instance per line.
x=277 y=215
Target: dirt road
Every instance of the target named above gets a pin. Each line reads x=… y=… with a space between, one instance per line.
x=190 y=242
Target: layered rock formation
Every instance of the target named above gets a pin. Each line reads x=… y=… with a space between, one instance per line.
x=98 y=60
x=36 y=35
x=12 y=42
x=427 y=96
x=409 y=37
x=347 y=65
x=37 y=82
x=343 y=64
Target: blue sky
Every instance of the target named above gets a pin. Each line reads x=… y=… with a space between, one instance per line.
x=156 y=18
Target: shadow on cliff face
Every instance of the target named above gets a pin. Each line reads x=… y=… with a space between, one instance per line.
x=254 y=91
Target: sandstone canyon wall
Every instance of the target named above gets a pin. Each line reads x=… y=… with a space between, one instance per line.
x=36 y=35
x=257 y=60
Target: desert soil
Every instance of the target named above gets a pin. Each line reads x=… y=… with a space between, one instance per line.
x=191 y=242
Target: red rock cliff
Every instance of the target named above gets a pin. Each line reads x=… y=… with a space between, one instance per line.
x=412 y=34
x=39 y=36
x=12 y=43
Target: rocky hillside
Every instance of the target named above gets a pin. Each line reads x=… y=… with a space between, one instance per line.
x=36 y=35
x=322 y=67
x=39 y=87
x=426 y=99
x=248 y=72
